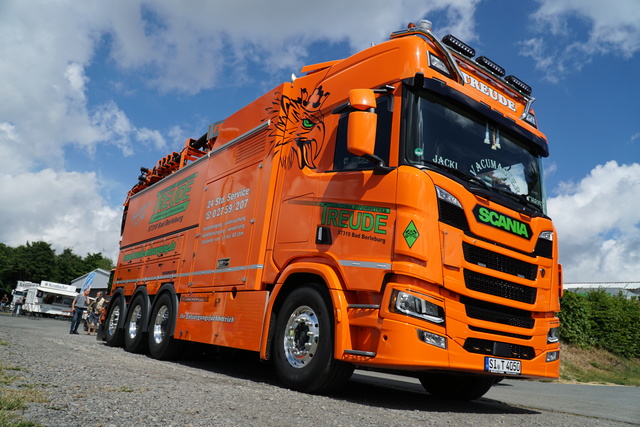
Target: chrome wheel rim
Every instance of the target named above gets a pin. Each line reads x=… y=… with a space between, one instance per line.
x=134 y=322
x=160 y=324
x=113 y=320
x=301 y=336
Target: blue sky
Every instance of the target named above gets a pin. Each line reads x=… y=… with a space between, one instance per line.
x=93 y=90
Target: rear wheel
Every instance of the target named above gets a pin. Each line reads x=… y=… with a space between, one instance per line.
x=303 y=346
x=134 y=335
x=456 y=386
x=162 y=345
x=113 y=334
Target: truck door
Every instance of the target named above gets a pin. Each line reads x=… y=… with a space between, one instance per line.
x=342 y=210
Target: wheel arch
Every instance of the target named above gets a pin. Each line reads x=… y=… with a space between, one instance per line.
x=296 y=275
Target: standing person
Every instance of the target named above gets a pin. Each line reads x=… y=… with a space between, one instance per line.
x=95 y=310
x=18 y=308
x=78 y=306
x=4 y=302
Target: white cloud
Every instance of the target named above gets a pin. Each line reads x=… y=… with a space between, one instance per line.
x=62 y=208
x=598 y=224
x=613 y=27
x=183 y=47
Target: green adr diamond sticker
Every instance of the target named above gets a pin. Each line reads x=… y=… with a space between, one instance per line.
x=410 y=234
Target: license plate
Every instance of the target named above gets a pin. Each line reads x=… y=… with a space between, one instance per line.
x=502 y=366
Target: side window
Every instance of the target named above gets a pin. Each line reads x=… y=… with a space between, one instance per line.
x=344 y=160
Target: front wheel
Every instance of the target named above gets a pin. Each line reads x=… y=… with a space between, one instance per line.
x=134 y=334
x=303 y=346
x=162 y=345
x=456 y=386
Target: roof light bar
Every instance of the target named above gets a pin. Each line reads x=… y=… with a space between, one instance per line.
x=491 y=66
x=519 y=84
x=459 y=46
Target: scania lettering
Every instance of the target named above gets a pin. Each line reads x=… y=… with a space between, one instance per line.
x=383 y=211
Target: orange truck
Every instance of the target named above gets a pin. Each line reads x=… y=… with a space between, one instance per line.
x=385 y=211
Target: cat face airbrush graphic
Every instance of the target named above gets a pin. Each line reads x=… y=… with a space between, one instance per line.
x=300 y=124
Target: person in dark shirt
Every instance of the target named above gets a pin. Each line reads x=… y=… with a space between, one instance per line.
x=78 y=306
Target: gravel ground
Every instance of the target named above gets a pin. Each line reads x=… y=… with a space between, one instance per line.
x=90 y=384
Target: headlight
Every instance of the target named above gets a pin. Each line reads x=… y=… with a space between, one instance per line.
x=411 y=305
x=445 y=196
x=552 y=336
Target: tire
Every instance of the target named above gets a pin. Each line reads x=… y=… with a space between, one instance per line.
x=462 y=387
x=162 y=345
x=113 y=333
x=135 y=336
x=303 y=345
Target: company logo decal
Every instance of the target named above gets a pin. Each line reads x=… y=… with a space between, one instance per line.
x=488 y=91
x=356 y=220
x=502 y=222
x=173 y=200
x=299 y=123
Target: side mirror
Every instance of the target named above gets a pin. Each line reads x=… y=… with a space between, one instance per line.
x=361 y=136
x=361 y=131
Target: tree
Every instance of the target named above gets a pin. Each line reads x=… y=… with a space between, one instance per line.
x=68 y=267
x=33 y=262
x=97 y=260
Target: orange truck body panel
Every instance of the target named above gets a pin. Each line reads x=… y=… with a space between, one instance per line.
x=234 y=224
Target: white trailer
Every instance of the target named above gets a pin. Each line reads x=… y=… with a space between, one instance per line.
x=50 y=299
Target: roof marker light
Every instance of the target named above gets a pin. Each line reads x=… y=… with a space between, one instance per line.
x=459 y=46
x=438 y=65
x=491 y=66
x=519 y=84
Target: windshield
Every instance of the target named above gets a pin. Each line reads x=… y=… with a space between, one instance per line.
x=469 y=146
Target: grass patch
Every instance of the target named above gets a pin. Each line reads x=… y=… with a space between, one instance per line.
x=15 y=398
x=597 y=366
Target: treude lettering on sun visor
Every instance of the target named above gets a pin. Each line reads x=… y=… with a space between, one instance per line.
x=503 y=222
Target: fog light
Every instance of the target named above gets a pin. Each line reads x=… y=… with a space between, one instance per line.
x=552 y=336
x=411 y=305
x=552 y=356
x=432 y=339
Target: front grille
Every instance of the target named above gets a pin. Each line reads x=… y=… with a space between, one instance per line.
x=500 y=288
x=497 y=348
x=452 y=215
x=498 y=262
x=544 y=248
x=496 y=313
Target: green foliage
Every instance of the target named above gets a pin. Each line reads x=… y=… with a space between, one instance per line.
x=597 y=319
x=38 y=261
x=574 y=320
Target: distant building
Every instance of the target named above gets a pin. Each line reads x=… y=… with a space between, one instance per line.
x=628 y=289
x=97 y=280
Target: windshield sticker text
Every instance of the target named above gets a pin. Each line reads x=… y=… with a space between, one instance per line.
x=445 y=162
